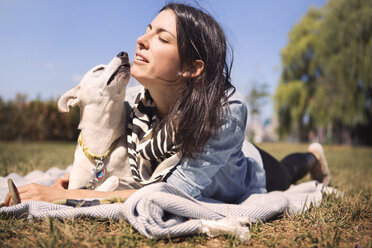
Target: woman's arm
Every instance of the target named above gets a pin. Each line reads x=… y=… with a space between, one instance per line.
x=39 y=192
x=195 y=176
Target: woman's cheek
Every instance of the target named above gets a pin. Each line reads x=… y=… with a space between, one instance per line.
x=170 y=67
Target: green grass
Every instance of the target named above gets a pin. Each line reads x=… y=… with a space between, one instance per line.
x=338 y=222
x=24 y=157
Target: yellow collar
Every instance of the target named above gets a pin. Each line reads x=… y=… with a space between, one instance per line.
x=91 y=155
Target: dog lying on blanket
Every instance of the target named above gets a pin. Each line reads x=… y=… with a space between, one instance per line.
x=101 y=159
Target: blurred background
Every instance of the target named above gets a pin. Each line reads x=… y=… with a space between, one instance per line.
x=305 y=66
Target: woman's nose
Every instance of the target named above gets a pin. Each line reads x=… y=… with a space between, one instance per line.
x=143 y=41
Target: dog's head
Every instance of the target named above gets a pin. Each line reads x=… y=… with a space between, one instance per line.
x=100 y=85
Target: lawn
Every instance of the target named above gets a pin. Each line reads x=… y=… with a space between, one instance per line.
x=338 y=222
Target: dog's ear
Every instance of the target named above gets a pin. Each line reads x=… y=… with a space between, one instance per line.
x=69 y=99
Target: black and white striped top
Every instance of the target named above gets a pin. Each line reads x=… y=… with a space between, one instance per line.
x=146 y=151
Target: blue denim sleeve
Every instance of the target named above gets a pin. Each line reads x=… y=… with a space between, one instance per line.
x=194 y=175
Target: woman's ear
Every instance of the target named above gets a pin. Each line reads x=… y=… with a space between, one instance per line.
x=196 y=69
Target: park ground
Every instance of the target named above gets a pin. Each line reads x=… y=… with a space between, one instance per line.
x=338 y=222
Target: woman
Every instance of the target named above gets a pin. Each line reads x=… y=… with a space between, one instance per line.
x=189 y=117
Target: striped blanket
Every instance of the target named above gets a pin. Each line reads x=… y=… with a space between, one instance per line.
x=162 y=211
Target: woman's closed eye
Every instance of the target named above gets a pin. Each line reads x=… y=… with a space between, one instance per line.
x=162 y=33
x=163 y=40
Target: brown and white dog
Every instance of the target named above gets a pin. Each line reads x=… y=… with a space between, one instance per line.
x=100 y=95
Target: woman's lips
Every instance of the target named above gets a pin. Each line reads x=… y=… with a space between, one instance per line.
x=139 y=58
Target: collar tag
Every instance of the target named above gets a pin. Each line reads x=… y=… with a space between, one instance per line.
x=100 y=174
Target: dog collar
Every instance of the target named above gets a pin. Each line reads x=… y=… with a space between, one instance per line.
x=93 y=156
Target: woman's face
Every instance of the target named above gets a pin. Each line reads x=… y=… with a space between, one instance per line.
x=157 y=58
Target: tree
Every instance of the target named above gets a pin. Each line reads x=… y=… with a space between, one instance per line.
x=326 y=73
x=342 y=97
x=299 y=74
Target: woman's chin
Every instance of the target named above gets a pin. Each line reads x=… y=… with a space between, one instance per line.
x=136 y=73
x=141 y=78
x=140 y=75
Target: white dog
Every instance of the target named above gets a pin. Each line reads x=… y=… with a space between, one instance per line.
x=101 y=160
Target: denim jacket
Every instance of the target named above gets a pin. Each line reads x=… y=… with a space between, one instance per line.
x=229 y=169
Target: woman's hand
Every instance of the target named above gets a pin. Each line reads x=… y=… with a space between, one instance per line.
x=62 y=183
x=37 y=192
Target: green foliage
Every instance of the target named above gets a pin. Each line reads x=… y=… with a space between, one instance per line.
x=298 y=74
x=344 y=54
x=330 y=51
x=297 y=57
x=291 y=103
x=36 y=120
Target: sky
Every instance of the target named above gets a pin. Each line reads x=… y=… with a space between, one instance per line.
x=47 y=46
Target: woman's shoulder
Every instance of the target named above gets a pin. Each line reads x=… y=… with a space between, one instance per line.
x=237 y=108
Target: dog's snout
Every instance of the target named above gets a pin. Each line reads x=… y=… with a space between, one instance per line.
x=122 y=55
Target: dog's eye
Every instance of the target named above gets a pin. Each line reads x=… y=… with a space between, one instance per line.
x=98 y=69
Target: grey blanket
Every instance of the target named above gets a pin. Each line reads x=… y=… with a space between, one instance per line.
x=161 y=210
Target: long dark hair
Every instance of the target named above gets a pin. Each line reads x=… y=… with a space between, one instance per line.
x=199 y=108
